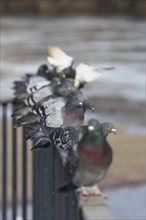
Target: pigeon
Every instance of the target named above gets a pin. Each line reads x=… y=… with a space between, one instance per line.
x=62 y=138
x=29 y=82
x=63 y=63
x=55 y=113
x=91 y=158
x=23 y=107
x=57 y=86
x=63 y=111
x=59 y=111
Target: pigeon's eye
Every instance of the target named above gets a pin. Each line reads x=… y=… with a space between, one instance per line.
x=63 y=76
x=80 y=103
x=90 y=128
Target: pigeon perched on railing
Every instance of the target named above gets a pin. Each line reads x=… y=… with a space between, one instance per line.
x=57 y=86
x=55 y=111
x=31 y=82
x=63 y=138
x=90 y=159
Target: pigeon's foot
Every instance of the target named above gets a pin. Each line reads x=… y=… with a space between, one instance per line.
x=84 y=192
x=94 y=192
x=97 y=192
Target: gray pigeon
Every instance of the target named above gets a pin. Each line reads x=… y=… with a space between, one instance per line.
x=62 y=138
x=29 y=81
x=58 y=111
x=58 y=86
x=91 y=158
x=29 y=84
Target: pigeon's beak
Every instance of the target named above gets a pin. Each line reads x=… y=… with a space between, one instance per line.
x=88 y=105
x=113 y=130
x=91 y=107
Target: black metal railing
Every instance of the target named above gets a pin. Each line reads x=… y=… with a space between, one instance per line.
x=47 y=174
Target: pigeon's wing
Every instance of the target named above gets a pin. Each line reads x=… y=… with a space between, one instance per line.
x=40 y=140
x=35 y=83
x=27 y=119
x=49 y=111
x=59 y=58
x=20 y=89
x=38 y=95
x=72 y=160
x=75 y=134
x=29 y=84
x=30 y=129
x=86 y=73
x=71 y=166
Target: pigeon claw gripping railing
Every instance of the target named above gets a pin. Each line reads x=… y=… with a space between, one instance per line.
x=47 y=175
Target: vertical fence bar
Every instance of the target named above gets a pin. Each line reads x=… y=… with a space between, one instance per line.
x=59 y=199
x=14 y=169
x=72 y=207
x=24 y=176
x=35 y=183
x=33 y=186
x=43 y=185
x=48 y=203
x=4 y=162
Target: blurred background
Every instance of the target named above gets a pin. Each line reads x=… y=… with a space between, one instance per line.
x=100 y=33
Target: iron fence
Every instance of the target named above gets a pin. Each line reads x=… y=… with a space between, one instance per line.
x=47 y=174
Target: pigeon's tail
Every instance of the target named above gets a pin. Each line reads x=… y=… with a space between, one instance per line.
x=18 y=104
x=21 y=111
x=31 y=129
x=41 y=144
x=34 y=132
x=27 y=119
x=20 y=89
x=19 y=86
x=69 y=186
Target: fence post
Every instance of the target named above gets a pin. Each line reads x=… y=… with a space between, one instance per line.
x=14 y=169
x=43 y=184
x=24 y=176
x=4 y=161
